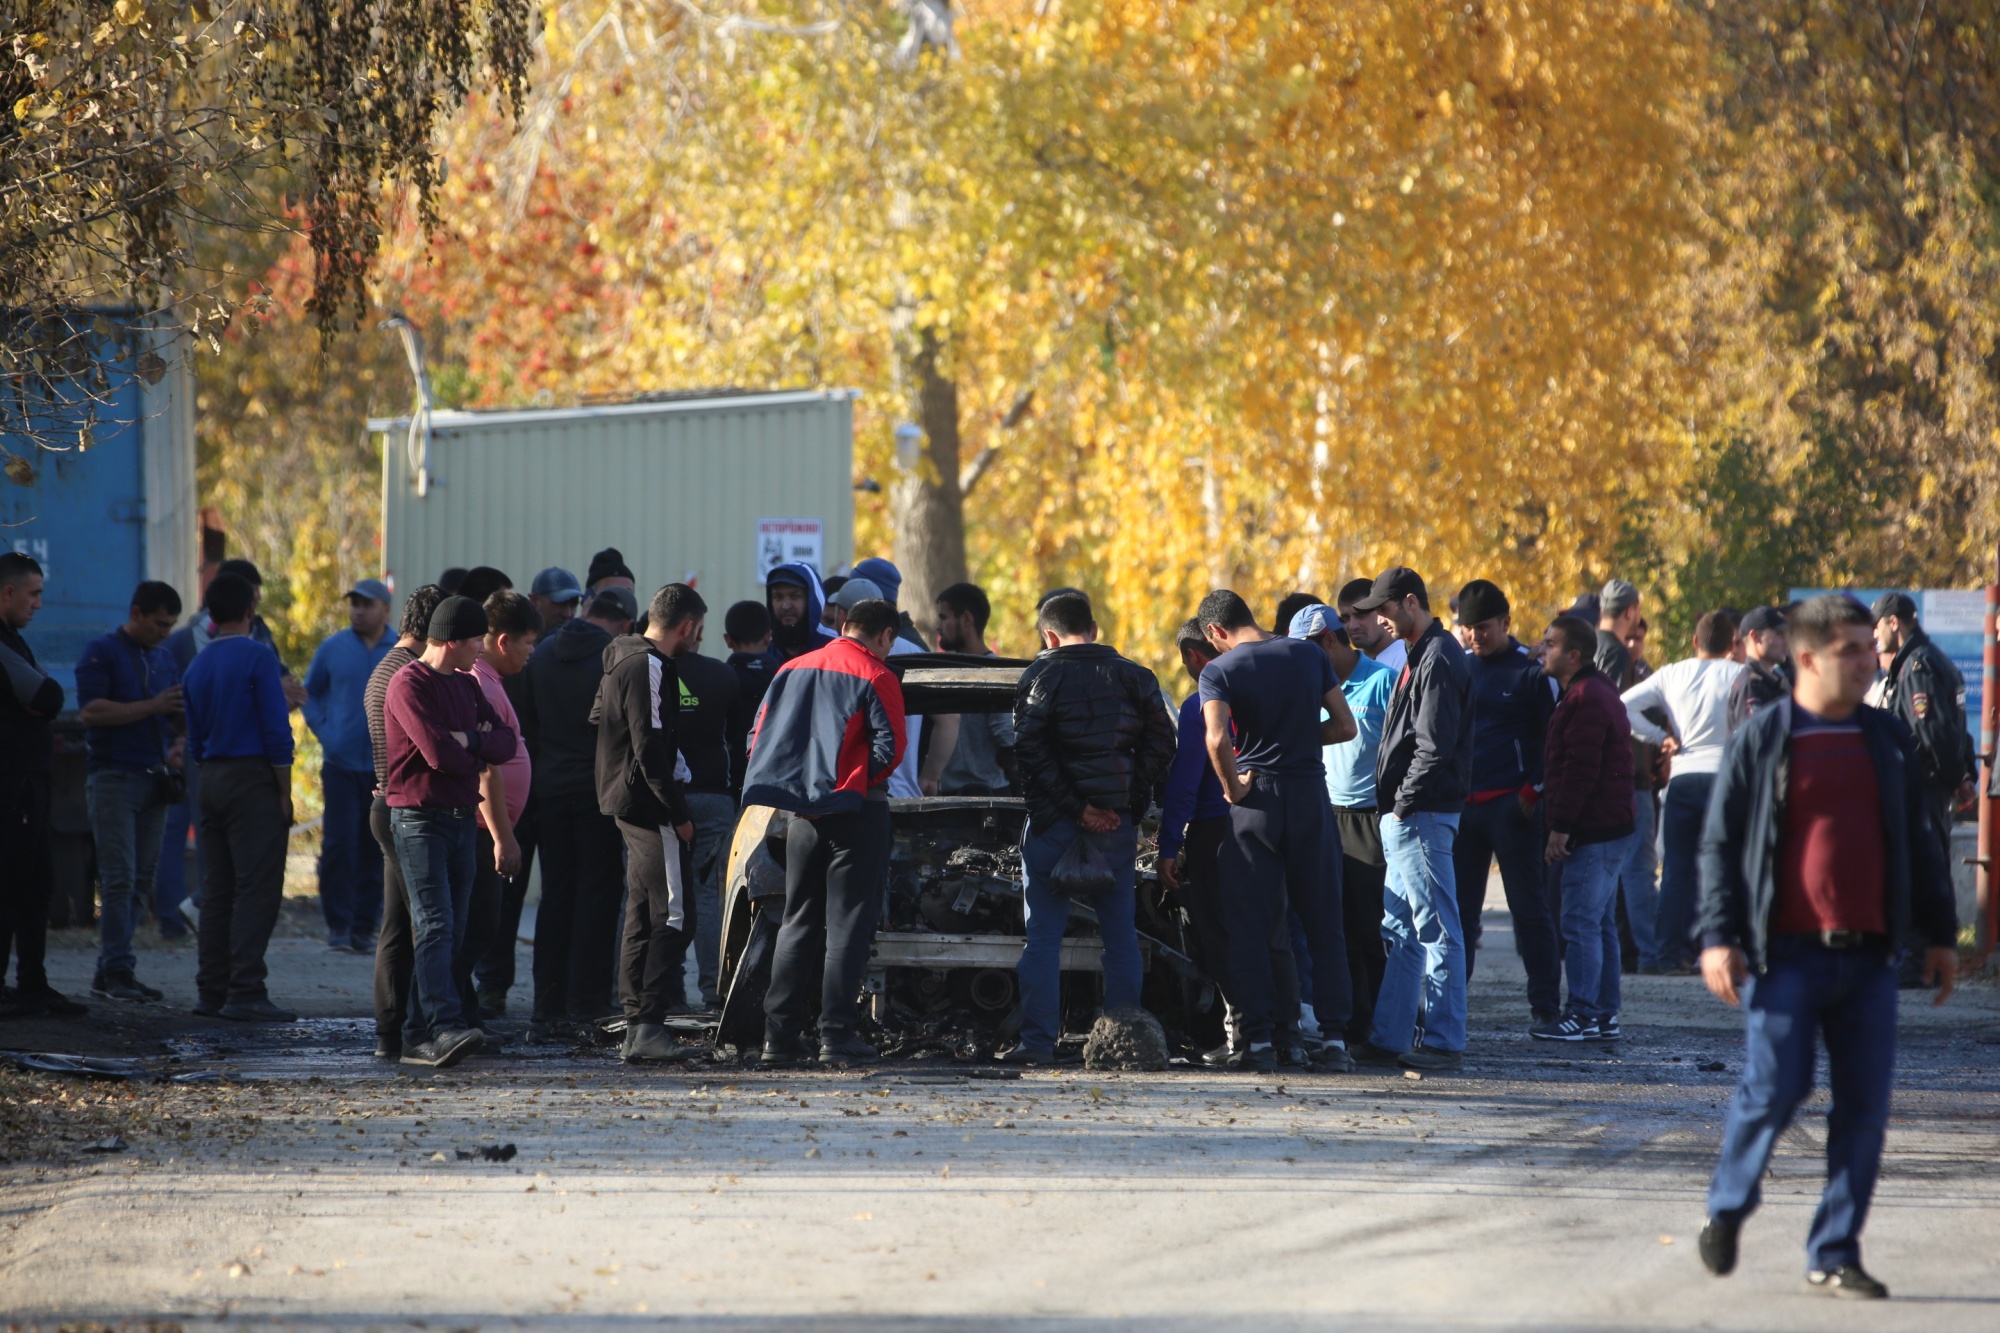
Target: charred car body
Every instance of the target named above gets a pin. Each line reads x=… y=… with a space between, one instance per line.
x=941 y=979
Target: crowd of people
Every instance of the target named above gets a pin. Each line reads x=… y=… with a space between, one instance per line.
x=1331 y=799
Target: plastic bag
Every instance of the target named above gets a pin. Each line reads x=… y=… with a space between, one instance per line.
x=1082 y=871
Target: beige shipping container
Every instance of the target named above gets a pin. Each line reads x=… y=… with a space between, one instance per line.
x=682 y=486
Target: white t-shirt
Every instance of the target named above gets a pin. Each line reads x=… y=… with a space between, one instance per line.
x=1394 y=656
x=1695 y=693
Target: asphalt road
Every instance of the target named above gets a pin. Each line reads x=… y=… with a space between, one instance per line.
x=1552 y=1188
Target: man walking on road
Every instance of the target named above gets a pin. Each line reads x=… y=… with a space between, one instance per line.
x=1817 y=857
x=1422 y=774
x=440 y=735
x=1587 y=795
x=130 y=695
x=1350 y=785
x=240 y=733
x=576 y=926
x=1261 y=700
x=1512 y=702
x=641 y=783
x=350 y=864
x=1694 y=693
x=1093 y=740
x=829 y=736
x=29 y=702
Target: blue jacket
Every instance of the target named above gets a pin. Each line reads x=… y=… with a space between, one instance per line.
x=335 y=683
x=1512 y=702
x=1193 y=790
x=114 y=667
x=236 y=704
x=1746 y=821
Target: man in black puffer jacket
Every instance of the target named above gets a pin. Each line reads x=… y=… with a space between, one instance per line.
x=1092 y=739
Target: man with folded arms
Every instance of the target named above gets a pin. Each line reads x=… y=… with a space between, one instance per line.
x=441 y=733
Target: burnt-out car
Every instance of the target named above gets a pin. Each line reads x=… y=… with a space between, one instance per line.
x=941 y=979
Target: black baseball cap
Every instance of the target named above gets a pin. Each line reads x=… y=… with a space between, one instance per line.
x=1763 y=619
x=1480 y=600
x=1898 y=604
x=1393 y=585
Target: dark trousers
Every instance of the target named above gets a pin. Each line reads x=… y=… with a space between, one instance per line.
x=1680 y=845
x=436 y=849
x=836 y=868
x=659 y=921
x=576 y=927
x=494 y=971
x=1201 y=885
x=1502 y=829
x=1283 y=850
x=1363 y=873
x=482 y=924
x=350 y=862
x=243 y=828
x=27 y=877
x=1809 y=993
x=395 y=946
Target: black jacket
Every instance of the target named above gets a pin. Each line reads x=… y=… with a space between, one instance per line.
x=29 y=699
x=1927 y=693
x=1757 y=686
x=559 y=689
x=1746 y=818
x=1090 y=728
x=1425 y=760
x=635 y=712
x=753 y=677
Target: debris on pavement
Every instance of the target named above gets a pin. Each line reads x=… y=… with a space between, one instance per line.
x=1126 y=1037
x=498 y=1152
x=116 y=1143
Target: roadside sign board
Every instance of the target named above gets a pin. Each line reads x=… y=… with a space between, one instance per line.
x=1955 y=619
x=782 y=541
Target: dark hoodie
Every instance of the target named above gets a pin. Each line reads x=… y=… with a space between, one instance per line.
x=636 y=744
x=808 y=635
x=559 y=688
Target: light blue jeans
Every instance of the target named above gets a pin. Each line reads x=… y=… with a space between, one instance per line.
x=1040 y=969
x=1638 y=883
x=1590 y=925
x=1423 y=981
x=127 y=821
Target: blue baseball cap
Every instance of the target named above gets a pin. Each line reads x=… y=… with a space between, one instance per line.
x=373 y=589
x=558 y=585
x=1315 y=619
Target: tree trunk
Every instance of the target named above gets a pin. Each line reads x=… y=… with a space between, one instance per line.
x=926 y=507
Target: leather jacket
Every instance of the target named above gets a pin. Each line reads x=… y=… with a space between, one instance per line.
x=1090 y=727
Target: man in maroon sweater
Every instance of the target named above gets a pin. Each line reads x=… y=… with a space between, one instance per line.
x=440 y=734
x=1818 y=862
x=1587 y=794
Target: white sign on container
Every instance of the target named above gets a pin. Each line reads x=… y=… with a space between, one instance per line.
x=784 y=541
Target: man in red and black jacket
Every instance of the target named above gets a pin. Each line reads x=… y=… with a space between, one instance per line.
x=828 y=737
x=1587 y=799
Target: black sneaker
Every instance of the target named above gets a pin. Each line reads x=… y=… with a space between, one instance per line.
x=1334 y=1058
x=257 y=1011
x=1607 y=1028
x=1022 y=1054
x=1848 y=1281
x=848 y=1050
x=1718 y=1246
x=1429 y=1058
x=781 y=1054
x=124 y=986
x=1570 y=1027
x=1260 y=1057
x=388 y=1048
x=1380 y=1057
x=453 y=1045
x=207 y=1008
x=50 y=1003
x=1219 y=1057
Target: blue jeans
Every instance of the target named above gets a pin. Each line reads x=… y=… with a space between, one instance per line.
x=1424 y=977
x=1590 y=926
x=438 y=852
x=170 y=884
x=1047 y=912
x=1681 y=818
x=1500 y=830
x=350 y=860
x=1847 y=997
x=126 y=820
x=1637 y=883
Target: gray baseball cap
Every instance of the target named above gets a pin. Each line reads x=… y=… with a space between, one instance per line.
x=856 y=591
